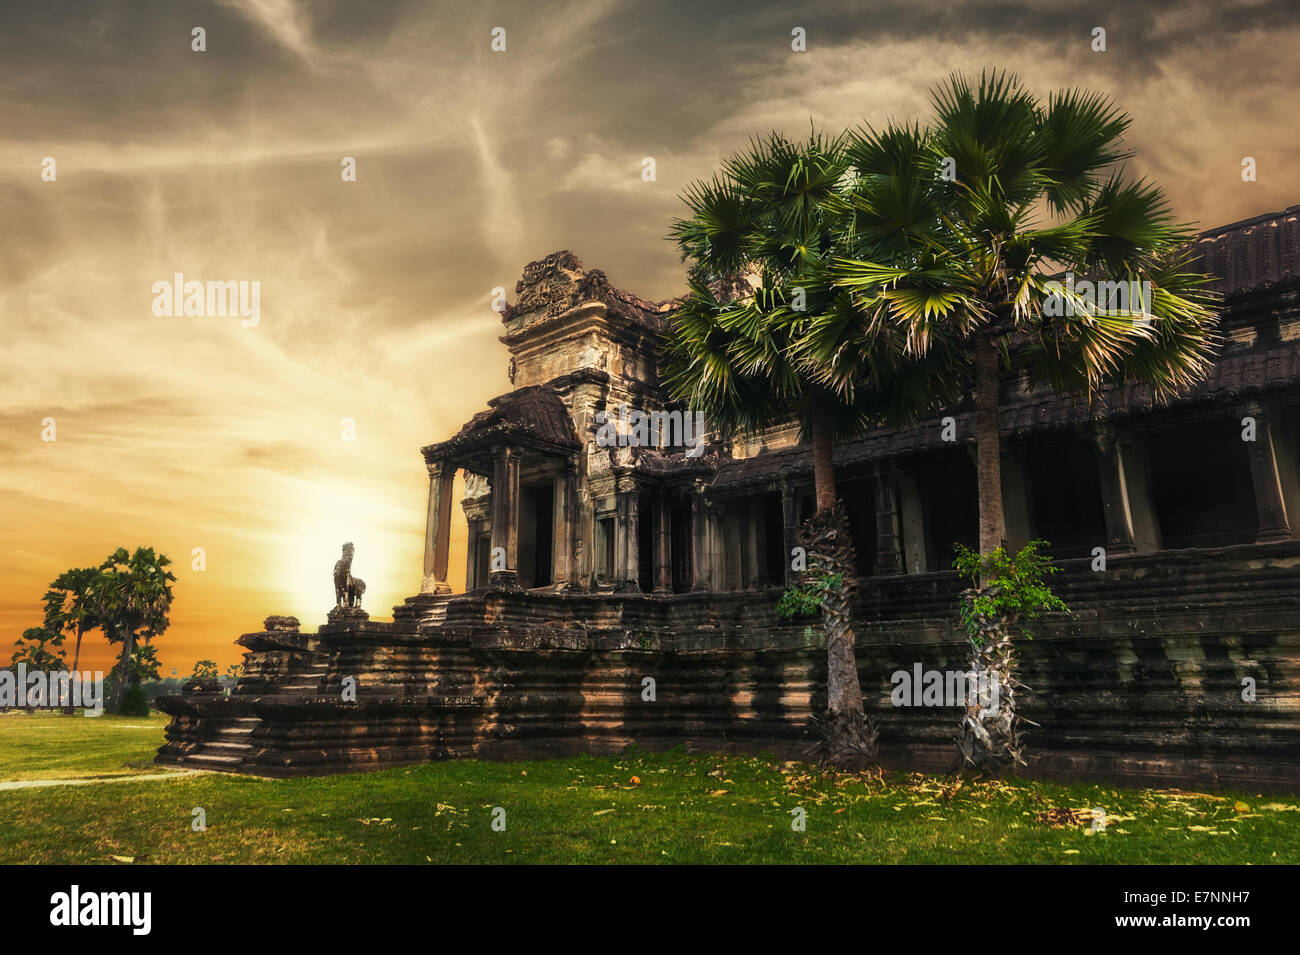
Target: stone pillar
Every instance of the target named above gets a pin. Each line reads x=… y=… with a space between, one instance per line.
x=758 y=539
x=563 y=566
x=505 y=516
x=663 y=544
x=437 y=528
x=626 y=533
x=749 y=544
x=701 y=541
x=1120 y=536
x=889 y=537
x=1287 y=456
x=1137 y=490
x=790 y=527
x=1015 y=500
x=471 y=553
x=1269 y=501
x=912 y=519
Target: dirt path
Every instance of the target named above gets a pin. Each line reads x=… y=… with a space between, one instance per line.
x=94 y=781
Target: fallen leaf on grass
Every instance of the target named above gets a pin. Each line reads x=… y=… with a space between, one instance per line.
x=719 y=792
x=1058 y=818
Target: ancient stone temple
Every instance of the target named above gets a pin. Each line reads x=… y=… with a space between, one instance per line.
x=625 y=565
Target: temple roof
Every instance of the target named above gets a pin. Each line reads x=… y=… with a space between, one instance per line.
x=533 y=417
x=1254 y=252
x=557 y=283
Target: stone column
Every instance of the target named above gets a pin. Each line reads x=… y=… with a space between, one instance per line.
x=750 y=522
x=889 y=537
x=790 y=528
x=1120 y=537
x=758 y=518
x=1015 y=500
x=437 y=528
x=505 y=516
x=626 y=532
x=563 y=569
x=471 y=553
x=912 y=519
x=663 y=544
x=1269 y=502
x=701 y=547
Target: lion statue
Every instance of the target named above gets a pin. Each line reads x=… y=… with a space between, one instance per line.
x=347 y=589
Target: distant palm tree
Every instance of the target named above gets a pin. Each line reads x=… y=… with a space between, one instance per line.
x=137 y=596
x=759 y=238
x=75 y=601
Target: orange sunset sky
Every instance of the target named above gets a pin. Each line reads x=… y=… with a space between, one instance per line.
x=179 y=432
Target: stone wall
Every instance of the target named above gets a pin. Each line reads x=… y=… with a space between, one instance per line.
x=1142 y=683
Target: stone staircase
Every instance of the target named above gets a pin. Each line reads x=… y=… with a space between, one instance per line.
x=228 y=743
x=305 y=682
x=436 y=613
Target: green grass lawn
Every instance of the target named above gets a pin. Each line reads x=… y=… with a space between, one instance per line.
x=49 y=745
x=638 y=807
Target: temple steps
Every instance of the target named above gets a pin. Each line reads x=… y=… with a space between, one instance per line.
x=307 y=682
x=436 y=613
x=225 y=749
x=222 y=748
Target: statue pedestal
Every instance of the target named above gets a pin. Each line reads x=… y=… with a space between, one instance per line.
x=347 y=615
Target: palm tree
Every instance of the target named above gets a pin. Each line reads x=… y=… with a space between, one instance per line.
x=75 y=600
x=137 y=596
x=759 y=238
x=957 y=241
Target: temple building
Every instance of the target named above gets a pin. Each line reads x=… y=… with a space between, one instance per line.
x=613 y=538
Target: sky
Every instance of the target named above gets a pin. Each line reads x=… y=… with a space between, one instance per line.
x=183 y=432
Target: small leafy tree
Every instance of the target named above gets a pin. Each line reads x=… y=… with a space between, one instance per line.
x=204 y=670
x=144 y=663
x=1005 y=590
x=40 y=649
x=804 y=598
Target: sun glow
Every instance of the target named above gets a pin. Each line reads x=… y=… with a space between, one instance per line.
x=322 y=518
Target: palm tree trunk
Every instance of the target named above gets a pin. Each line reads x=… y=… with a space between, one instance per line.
x=848 y=735
x=76 y=659
x=989 y=735
x=124 y=665
x=988 y=451
x=823 y=455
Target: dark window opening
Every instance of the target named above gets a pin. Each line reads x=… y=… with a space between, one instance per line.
x=1065 y=507
x=950 y=504
x=775 y=559
x=536 y=535
x=680 y=549
x=482 y=560
x=645 y=541
x=859 y=499
x=605 y=549
x=1200 y=485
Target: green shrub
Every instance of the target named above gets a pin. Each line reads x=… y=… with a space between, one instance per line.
x=135 y=702
x=1006 y=588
